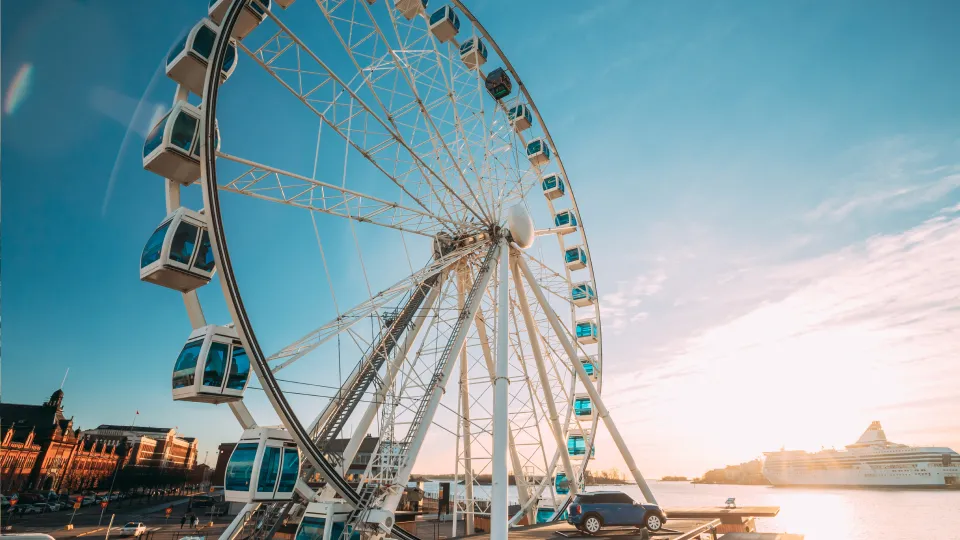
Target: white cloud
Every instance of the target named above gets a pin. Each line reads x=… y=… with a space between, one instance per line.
x=620 y=307
x=864 y=333
x=890 y=174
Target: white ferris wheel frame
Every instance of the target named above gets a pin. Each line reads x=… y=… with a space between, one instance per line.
x=407 y=219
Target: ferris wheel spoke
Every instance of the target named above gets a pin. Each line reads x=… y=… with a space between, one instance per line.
x=297 y=68
x=276 y=185
x=298 y=349
x=365 y=42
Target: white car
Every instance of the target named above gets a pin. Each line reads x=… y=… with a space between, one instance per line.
x=134 y=528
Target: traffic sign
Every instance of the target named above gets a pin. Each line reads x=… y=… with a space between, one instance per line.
x=103 y=504
x=76 y=505
x=169 y=510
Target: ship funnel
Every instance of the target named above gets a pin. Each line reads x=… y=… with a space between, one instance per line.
x=873 y=435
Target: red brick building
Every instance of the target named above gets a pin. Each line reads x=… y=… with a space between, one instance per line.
x=41 y=450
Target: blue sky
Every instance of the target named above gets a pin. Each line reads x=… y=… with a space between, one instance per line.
x=770 y=190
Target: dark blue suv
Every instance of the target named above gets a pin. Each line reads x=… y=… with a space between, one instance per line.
x=589 y=512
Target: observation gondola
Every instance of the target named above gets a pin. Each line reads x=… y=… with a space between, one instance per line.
x=590 y=366
x=575 y=258
x=538 y=151
x=561 y=484
x=172 y=148
x=253 y=14
x=520 y=117
x=314 y=522
x=411 y=8
x=553 y=186
x=582 y=405
x=263 y=467
x=444 y=24
x=473 y=53
x=187 y=62
x=212 y=367
x=565 y=218
x=178 y=253
x=583 y=294
x=587 y=332
x=498 y=84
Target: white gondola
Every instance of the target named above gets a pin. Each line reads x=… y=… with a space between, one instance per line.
x=582 y=406
x=553 y=186
x=264 y=467
x=561 y=485
x=212 y=367
x=587 y=332
x=187 y=62
x=520 y=117
x=567 y=220
x=411 y=8
x=444 y=24
x=172 y=148
x=576 y=441
x=538 y=152
x=314 y=522
x=575 y=258
x=583 y=294
x=253 y=14
x=178 y=254
x=590 y=366
x=473 y=53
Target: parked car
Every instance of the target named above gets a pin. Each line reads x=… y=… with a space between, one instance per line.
x=133 y=528
x=589 y=512
x=37 y=508
x=53 y=506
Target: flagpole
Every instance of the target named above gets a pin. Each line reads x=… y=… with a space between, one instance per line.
x=103 y=507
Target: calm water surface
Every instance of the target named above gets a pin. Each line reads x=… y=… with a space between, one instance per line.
x=821 y=514
x=828 y=514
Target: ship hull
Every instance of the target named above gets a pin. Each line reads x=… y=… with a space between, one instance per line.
x=925 y=476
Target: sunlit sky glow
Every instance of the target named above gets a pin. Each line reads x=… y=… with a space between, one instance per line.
x=771 y=191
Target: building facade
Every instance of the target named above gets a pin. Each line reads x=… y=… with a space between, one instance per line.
x=41 y=450
x=151 y=446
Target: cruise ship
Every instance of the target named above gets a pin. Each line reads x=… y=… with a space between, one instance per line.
x=872 y=461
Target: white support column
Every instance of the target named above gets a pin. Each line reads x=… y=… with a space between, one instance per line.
x=602 y=410
x=555 y=426
x=240 y=411
x=465 y=418
x=498 y=491
x=522 y=487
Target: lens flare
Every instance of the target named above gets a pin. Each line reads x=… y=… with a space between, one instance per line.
x=18 y=89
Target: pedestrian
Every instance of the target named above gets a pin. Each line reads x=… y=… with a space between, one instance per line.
x=196 y=522
x=415 y=497
x=183 y=520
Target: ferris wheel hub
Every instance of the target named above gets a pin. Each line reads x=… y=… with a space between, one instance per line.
x=520 y=225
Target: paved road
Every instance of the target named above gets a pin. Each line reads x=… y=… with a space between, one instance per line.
x=88 y=525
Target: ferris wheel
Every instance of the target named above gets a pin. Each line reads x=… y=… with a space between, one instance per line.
x=421 y=131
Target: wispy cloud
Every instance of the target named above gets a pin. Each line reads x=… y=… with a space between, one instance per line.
x=863 y=333
x=623 y=305
x=893 y=174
